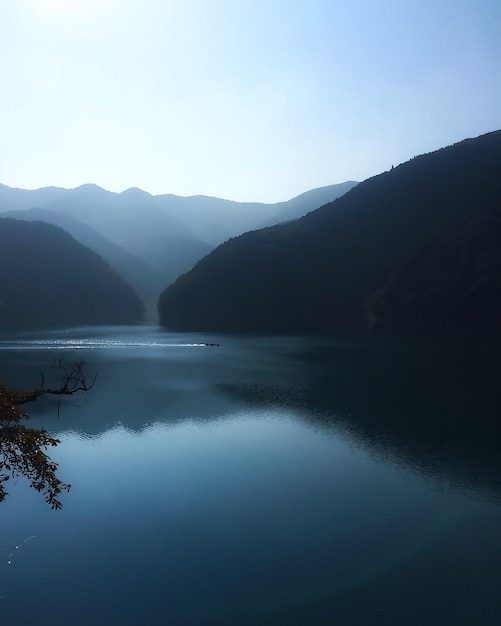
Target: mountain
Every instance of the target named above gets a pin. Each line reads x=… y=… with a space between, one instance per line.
x=49 y=280
x=148 y=247
x=151 y=240
x=141 y=276
x=306 y=202
x=215 y=220
x=13 y=199
x=134 y=220
x=327 y=271
x=205 y=219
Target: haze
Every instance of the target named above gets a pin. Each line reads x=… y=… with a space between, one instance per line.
x=249 y=100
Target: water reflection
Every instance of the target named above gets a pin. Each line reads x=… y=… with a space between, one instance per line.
x=436 y=411
x=244 y=485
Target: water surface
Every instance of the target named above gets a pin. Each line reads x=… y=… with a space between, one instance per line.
x=253 y=482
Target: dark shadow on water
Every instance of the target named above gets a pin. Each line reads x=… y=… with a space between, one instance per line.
x=435 y=408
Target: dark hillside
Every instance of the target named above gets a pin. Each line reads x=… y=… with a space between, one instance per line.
x=48 y=279
x=320 y=274
x=451 y=286
x=136 y=272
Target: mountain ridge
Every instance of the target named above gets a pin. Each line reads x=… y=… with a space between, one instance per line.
x=318 y=274
x=167 y=234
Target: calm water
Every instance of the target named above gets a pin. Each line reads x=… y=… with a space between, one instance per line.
x=261 y=481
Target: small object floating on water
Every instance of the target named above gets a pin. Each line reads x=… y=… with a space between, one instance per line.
x=212 y=344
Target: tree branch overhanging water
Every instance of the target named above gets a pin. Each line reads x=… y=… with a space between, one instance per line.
x=22 y=449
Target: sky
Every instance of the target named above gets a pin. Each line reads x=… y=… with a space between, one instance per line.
x=249 y=100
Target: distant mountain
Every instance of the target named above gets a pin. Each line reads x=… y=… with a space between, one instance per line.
x=327 y=271
x=49 y=279
x=306 y=202
x=13 y=199
x=135 y=221
x=215 y=220
x=151 y=240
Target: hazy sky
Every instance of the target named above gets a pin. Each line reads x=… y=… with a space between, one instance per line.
x=240 y=99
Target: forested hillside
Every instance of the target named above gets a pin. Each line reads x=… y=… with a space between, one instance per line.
x=332 y=270
x=451 y=285
x=48 y=279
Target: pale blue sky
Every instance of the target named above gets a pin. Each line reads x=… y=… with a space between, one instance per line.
x=254 y=100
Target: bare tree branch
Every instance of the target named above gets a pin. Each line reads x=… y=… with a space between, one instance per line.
x=72 y=379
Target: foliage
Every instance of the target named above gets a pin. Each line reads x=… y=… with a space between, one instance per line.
x=21 y=447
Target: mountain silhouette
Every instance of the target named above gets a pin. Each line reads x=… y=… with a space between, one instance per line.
x=141 y=276
x=326 y=272
x=49 y=279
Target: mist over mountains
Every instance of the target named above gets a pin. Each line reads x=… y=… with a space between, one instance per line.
x=150 y=240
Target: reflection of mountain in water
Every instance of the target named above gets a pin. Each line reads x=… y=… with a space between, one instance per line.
x=436 y=410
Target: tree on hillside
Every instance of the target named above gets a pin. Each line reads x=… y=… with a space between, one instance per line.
x=21 y=447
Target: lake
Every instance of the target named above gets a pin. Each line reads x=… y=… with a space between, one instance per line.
x=264 y=480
